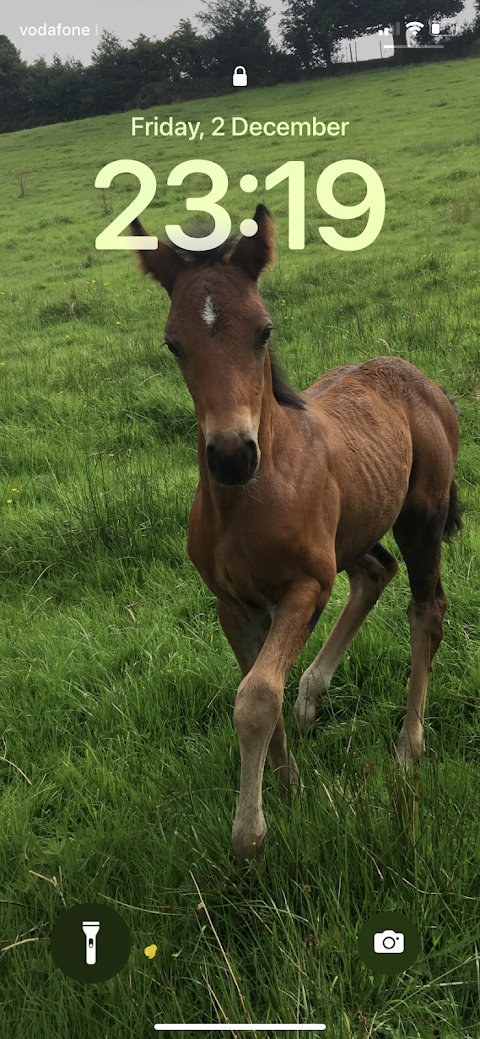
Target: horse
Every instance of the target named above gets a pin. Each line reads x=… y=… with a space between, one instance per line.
x=294 y=488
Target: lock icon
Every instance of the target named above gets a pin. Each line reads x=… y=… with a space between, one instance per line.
x=240 y=76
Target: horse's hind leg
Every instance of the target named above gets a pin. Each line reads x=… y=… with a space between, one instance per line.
x=419 y=538
x=368 y=578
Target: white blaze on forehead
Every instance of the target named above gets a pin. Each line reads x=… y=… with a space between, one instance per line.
x=209 y=314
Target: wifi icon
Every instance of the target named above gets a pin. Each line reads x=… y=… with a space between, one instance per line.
x=413 y=28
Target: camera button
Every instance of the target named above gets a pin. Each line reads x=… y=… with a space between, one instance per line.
x=389 y=943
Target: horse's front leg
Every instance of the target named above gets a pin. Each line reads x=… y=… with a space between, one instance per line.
x=246 y=629
x=258 y=705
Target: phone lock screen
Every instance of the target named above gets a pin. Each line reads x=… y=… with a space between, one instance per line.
x=240 y=535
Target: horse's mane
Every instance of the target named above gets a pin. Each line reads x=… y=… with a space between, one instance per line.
x=282 y=391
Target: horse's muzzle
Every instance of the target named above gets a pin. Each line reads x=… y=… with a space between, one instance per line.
x=232 y=460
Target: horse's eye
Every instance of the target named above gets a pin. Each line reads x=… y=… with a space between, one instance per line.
x=173 y=349
x=265 y=336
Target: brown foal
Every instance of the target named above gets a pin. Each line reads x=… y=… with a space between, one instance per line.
x=294 y=488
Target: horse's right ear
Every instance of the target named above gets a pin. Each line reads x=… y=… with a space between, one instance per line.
x=162 y=263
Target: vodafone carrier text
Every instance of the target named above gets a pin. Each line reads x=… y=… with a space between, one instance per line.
x=236 y=127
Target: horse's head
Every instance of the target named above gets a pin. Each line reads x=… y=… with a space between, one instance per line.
x=218 y=330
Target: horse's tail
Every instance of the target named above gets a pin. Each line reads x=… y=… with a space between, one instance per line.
x=453 y=522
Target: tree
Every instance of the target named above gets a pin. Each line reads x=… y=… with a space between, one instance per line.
x=312 y=29
x=475 y=25
x=13 y=72
x=168 y=70
x=109 y=75
x=146 y=72
x=54 y=93
x=186 y=53
x=237 y=34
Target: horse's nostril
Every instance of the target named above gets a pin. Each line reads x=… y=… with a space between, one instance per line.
x=250 y=447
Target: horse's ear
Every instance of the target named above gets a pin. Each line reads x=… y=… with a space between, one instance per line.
x=162 y=263
x=258 y=252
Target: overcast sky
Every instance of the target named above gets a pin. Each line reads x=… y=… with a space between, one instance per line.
x=127 y=20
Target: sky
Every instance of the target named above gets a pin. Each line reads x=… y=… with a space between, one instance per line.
x=127 y=20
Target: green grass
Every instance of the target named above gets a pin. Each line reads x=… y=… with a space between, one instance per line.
x=117 y=683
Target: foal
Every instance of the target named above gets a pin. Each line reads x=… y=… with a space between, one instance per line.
x=294 y=488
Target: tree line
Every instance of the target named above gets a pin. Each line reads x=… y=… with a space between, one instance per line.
x=191 y=64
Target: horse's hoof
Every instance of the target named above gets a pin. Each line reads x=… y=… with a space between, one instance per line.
x=249 y=847
x=407 y=753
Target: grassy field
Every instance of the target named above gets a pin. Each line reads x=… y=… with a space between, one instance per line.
x=119 y=762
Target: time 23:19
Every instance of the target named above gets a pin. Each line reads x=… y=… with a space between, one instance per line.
x=293 y=172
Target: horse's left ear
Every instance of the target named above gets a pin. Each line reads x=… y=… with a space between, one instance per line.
x=258 y=252
x=162 y=263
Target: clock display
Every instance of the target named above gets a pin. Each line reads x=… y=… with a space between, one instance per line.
x=292 y=172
